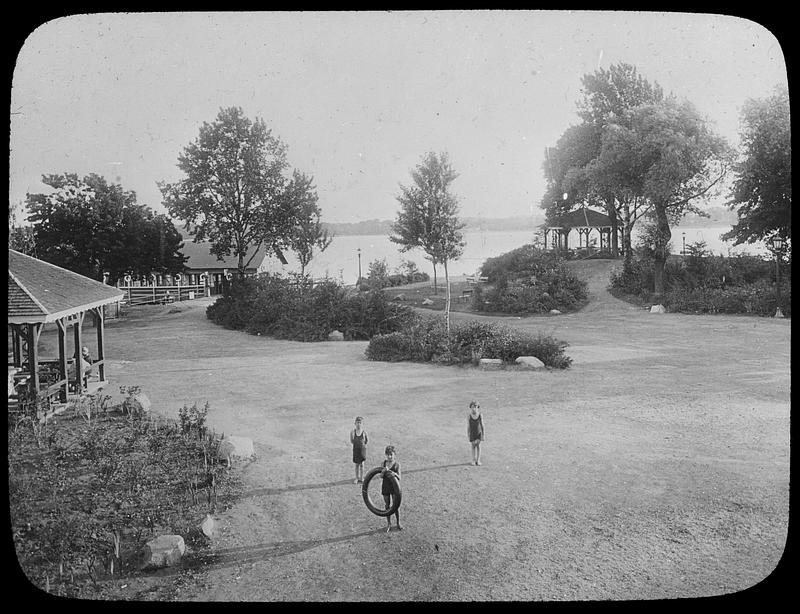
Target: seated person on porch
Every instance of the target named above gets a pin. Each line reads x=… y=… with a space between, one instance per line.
x=84 y=361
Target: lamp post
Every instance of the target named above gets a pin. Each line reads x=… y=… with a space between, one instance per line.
x=359 y=266
x=684 y=243
x=777 y=245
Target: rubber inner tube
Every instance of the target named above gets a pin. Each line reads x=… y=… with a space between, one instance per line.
x=396 y=496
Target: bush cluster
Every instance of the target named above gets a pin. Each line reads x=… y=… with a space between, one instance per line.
x=82 y=506
x=427 y=341
x=529 y=280
x=707 y=283
x=379 y=277
x=295 y=308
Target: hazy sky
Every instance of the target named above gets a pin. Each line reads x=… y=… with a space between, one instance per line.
x=358 y=97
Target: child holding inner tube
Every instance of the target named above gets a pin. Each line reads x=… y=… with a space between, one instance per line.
x=475 y=431
x=390 y=467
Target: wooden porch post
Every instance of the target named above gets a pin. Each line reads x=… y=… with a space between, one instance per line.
x=62 y=357
x=101 y=352
x=32 y=337
x=78 y=345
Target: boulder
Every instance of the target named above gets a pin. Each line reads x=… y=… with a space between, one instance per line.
x=336 y=335
x=530 y=362
x=234 y=446
x=658 y=309
x=555 y=312
x=163 y=551
x=491 y=363
x=427 y=301
x=208 y=526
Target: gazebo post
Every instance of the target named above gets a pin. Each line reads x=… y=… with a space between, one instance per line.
x=62 y=357
x=32 y=338
x=77 y=332
x=97 y=314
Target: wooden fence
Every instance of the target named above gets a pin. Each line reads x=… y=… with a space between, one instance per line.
x=161 y=295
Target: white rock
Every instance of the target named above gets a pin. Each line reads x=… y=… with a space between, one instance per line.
x=427 y=301
x=531 y=362
x=491 y=363
x=336 y=335
x=163 y=551
x=208 y=526
x=658 y=309
x=555 y=312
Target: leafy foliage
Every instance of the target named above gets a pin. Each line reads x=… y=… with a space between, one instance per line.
x=529 y=280
x=296 y=308
x=82 y=508
x=91 y=227
x=427 y=340
x=762 y=191
x=235 y=192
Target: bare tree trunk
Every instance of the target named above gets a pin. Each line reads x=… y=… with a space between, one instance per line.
x=663 y=235
x=447 y=298
x=626 y=235
x=611 y=210
x=435 y=286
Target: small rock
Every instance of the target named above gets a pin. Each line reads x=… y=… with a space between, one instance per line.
x=555 y=312
x=658 y=309
x=427 y=301
x=336 y=336
x=208 y=526
x=530 y=362
x=163 y=551
x=234 y=446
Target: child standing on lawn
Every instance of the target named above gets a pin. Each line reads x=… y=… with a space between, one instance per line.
x=475 y=431
x=358 y=437
x=390 y=467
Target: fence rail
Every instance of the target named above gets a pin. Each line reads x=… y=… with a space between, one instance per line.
x=160 y=295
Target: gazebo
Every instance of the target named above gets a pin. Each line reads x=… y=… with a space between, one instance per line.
x=41 y=293
x=583 y=220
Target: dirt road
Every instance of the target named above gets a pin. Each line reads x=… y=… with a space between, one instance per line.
x=657 y=466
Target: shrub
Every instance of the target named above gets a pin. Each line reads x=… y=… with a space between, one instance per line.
x=427 y=341
x=529 y=280
x=296 y=308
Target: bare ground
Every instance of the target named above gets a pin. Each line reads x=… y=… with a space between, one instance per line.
x=657 y=466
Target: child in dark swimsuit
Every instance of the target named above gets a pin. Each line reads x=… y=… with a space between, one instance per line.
x=390 y=466
x=475 y=432
x=358 y=437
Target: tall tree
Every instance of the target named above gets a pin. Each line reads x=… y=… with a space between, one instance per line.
x=428 y=216
x=20 y=236
x=762 y=189
x=234 y=191
x=310 y=234
x=679 y=161
x=580 y=171
x=91 y=227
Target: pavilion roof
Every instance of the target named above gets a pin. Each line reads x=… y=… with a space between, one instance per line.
x=42 y=292
x=581 y=218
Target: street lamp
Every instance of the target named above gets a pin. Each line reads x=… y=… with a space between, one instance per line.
x=684 y=244
x=359 y=266
x=777 y=245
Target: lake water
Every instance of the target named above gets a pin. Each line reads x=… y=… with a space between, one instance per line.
x=340 y=260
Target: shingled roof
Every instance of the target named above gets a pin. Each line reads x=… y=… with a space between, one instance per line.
x=201 y=258
x=581 y=218
x=42 y=292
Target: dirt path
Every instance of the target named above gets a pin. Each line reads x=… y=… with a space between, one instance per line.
x=657 y=466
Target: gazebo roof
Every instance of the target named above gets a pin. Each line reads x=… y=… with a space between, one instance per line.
x=42 y=292
x=581 y=218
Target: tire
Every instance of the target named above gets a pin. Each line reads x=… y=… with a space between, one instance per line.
x=396 y=498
